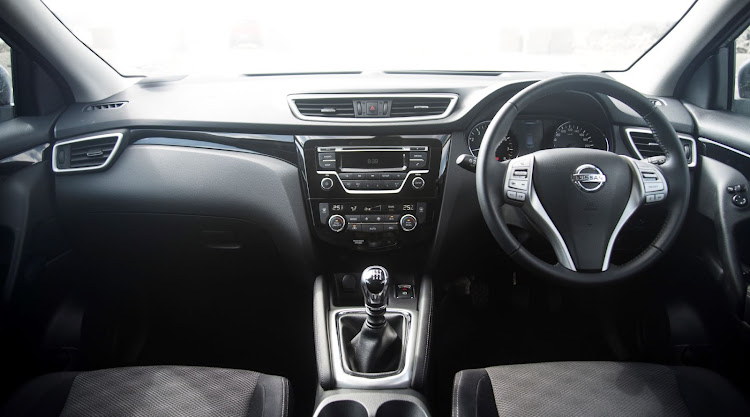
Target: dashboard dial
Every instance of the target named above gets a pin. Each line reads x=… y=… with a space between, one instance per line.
x=579 y=135
x=476 y=135
x=507 y=149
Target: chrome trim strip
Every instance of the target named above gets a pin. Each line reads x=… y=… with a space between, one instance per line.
x=637 y=193
x=541 y=218
x=399 y=379
x=694 y=148
x=729 y=148
x=291 y=99
x=67 y=142
x=421 y=171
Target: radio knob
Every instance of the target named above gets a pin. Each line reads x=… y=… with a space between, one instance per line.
x=417 y=183
x=408 y=222
x=326 y=183
x=336 y=223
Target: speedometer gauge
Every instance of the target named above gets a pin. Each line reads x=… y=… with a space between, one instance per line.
x=579 y=135
x=476 y=135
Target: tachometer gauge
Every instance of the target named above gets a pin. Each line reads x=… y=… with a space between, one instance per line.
x=476 y=135
x=507 y=149
x=579 y=135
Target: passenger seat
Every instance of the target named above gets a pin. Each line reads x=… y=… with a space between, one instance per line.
x=152 y=391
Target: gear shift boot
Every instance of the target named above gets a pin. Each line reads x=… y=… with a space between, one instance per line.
x=372 y=350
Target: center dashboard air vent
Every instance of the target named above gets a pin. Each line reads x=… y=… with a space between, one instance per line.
x=645 y=146
x=84 y=154
x=369 y=108
x=105 y=106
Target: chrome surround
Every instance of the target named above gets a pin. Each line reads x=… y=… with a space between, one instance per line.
x=291 y=99
x=693 y=151
x=721 y=145
x=345 y=378
x=88 y=138
x=579 y=179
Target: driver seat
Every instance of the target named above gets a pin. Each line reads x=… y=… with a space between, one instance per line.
x=595 y=389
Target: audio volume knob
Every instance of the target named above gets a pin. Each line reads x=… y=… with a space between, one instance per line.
x=326 y=183
x=417 y=183
x=337 y=223
x=408 y=222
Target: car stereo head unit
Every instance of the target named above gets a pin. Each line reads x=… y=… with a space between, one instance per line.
x=372 y=169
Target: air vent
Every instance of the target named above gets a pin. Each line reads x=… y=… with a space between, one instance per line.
x=372 y=108
x=329 y=107
x=657 y=102
x=105 y=106
x=417 y=106
x=646 y=146
x=85 y=154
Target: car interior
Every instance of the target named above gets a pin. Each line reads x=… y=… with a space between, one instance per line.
x=326 y=209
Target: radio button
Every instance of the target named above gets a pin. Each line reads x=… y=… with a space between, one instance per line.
x=346 y=176
x=417 y=183
x=399 y=176
x=337 y=223
x=358 y=176
x=417 y=163
x=328 y=156
x=372 y=176
x=387 y=176
x=408 y=222
x=326 y=184
x=392 y=185
x=418 y=155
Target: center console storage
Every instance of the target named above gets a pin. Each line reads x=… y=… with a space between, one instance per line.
x=355 y=403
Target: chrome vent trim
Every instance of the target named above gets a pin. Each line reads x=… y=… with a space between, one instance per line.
x=449 y=98
x=70 y=145
x=105 y=106
x=654 y=149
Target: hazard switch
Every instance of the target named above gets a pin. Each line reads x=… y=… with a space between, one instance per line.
x=372 y=107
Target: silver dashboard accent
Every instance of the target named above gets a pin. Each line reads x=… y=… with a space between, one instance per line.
x=345 y=378
x=294 y=97
x=88 y=138
x=721 y=145
x=693 y=147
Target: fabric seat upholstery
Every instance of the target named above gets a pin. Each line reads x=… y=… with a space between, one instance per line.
x=595 y=389
x=152 y=391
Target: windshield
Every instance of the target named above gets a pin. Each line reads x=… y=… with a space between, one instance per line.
x=171 y=37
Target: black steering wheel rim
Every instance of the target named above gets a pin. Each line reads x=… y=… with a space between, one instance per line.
x=490 y=173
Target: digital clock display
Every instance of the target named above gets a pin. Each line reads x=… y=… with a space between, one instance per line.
x=373 y=160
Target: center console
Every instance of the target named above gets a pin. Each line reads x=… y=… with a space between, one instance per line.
x=373 y=193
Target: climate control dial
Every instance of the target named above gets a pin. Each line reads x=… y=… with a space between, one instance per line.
x=337 y=223
x=408 y=222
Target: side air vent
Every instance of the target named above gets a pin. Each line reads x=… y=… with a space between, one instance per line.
x=105 y=106
x=372 y=108
x=657 y=102
x=90 y=153
x=417 y=106
x=328 y=107
x=645 y=146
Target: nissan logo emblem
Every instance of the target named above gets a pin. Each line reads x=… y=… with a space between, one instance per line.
x=589 y=178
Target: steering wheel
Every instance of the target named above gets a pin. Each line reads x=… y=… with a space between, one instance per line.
x=581 y=198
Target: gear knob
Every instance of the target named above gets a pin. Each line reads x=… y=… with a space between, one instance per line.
x=375 y=290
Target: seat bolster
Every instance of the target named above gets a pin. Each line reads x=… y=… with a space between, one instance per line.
x=708 y=394
x=473 y=395
x=44 y=396
x=271 y=392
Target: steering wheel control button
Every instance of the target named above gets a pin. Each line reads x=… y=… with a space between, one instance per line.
x=337 y=223
x=417 y=183
x=520 y=174
x=734 y=189
x=326 y=183
x=739 y=200
x=324 y=212
x=654 y=186
x=408 y=222
x=519 y=185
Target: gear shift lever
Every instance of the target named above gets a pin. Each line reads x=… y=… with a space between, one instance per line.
x=377 y=346
x=375 y=290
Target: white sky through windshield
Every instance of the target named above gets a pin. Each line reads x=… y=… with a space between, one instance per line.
x=155 y=37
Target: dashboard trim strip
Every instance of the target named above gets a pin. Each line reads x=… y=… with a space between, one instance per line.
x=291 y=99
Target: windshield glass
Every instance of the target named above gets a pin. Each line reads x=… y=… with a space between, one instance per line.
x=170 y=37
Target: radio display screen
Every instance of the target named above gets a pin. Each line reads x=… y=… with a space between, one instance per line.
x=373 y=160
